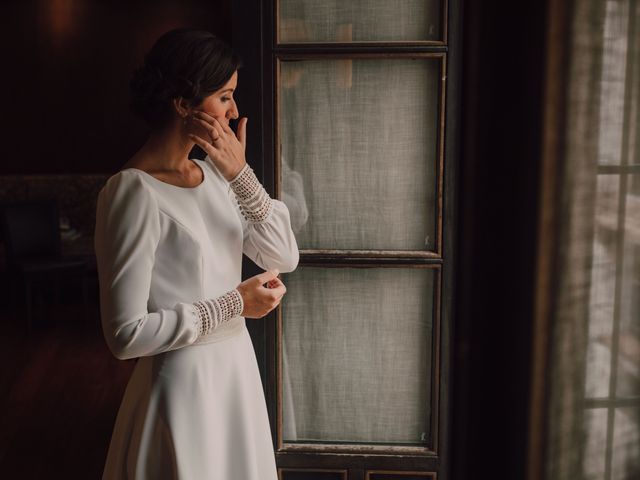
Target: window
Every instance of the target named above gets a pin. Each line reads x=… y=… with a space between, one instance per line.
x=357 y=96
x=613 y=364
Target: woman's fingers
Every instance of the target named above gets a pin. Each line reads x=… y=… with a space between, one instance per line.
x=267 y=276
x=261 y=293
x=274 y=287
x=213 y=121
x=206 y=146
x=209 y=123
x=276 y=282
x=278 y=292
x=204 y=115
x=225 y=127
x=213 y=133
x=242 y=131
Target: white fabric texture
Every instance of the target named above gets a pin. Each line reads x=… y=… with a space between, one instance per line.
x=213 y=312
x=593 y=414
x=358 y=368
x=253 y=200
x=365 y=144
x=194 y=407
x=359 y=20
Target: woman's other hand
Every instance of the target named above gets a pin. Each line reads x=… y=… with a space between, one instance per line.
x=221 y=144
x=261 y=294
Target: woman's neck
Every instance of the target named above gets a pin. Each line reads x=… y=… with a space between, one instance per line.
x=165 y=151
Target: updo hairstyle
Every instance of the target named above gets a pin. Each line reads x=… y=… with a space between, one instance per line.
x=184 y=62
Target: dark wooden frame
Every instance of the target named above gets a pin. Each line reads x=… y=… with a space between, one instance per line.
x=254 y=39
x=430 y=475
x=343 y=472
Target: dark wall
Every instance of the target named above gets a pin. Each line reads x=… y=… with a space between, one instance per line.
x=502 y=106
x=66 y=68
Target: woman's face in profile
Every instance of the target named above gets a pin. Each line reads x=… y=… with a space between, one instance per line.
x=220 y=104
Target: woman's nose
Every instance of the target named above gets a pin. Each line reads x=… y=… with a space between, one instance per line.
x=233 y=111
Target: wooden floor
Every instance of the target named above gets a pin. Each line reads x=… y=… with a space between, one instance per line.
x=60 y=389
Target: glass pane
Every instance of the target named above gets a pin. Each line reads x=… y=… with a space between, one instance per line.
x=303 y=21
x=628 y=381
x=359 y=148
x=625 y=462
x=612 y=89
x=595 y=423
x=603 y=283
x=357 y=346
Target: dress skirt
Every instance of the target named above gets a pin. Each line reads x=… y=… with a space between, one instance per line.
x=195 y=413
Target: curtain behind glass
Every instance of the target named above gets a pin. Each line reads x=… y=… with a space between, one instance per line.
x=357 y=349
x=362 y=137
x=359 y=162
x=359 y=20
x=593 y=416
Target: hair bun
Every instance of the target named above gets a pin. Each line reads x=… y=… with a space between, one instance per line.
x=186 y=88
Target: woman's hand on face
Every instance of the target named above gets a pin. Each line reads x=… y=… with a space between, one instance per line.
x=221 y=144
x=260 y=299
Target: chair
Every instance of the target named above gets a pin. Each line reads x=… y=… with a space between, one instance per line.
x=33 y=250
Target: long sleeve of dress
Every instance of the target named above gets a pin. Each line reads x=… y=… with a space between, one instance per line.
x=268 y=239
x=126 y=236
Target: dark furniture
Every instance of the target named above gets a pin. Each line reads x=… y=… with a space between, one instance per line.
x=33 y=252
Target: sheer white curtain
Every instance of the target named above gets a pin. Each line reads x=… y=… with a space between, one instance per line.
x=593 y=414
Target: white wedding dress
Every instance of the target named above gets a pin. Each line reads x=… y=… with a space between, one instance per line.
x=194 y=408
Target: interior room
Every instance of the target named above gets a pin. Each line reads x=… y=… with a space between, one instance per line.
x=462 y=181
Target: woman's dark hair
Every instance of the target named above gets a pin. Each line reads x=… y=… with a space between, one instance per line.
x=185 y=62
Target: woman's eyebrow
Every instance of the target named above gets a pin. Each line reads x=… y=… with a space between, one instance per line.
x=227 y=90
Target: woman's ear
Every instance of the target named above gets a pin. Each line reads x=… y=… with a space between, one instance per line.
x=182 y=107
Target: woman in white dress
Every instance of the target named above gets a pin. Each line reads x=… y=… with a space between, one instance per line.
x=170 y=234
